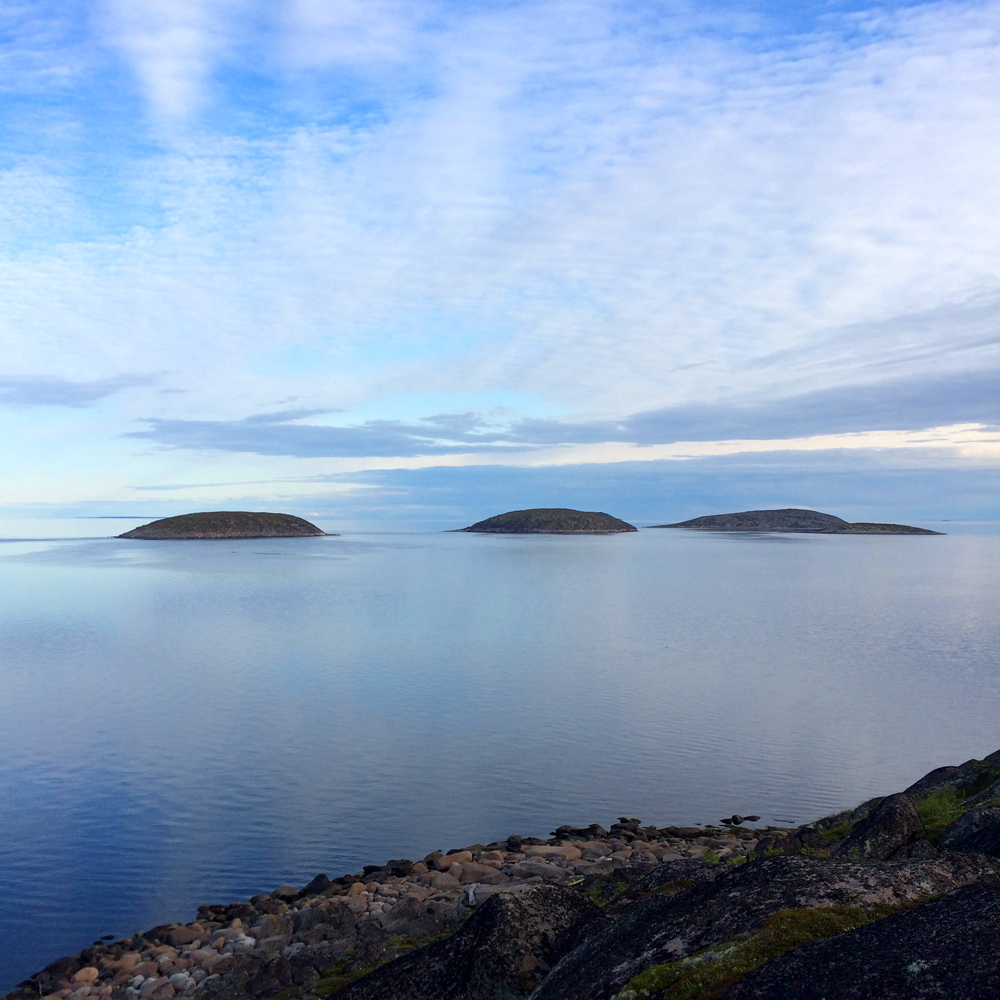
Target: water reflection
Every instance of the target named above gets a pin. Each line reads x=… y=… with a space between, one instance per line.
x=189 y=721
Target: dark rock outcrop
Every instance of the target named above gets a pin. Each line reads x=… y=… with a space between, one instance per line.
x=947 y=948
x=978 y=831
x=502 y=951
x=974 y=776
x=793 y=519
x=551 y=521
x=583 y=914
x=890 y=831
x=225 y=524
x=656 y=929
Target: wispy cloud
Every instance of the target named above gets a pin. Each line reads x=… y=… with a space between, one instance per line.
x=899 y=405
x=666 y=222
x=174 y=46
x=51 y=391
x=274 y=434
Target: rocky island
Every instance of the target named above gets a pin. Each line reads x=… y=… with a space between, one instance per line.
x=897 y=899
x=551 y=521
x=226 y=524
x=794 y=519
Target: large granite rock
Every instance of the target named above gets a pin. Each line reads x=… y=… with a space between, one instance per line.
x=978 y=831
x=793 y=519
x=225 y=524
x=501 y=952
x=892 y=830
x=975 y=779
x=947 y=949
x=663 y=928
x=551 y=521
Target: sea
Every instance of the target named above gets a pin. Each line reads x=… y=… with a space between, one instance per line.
x=192 y=722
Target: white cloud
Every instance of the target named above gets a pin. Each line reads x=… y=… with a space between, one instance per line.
x=173 y=46
x=617 y=211
x=316 y=34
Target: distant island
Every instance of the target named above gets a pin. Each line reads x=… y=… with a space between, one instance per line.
x=551 y=521
x=225 y=524
x=793 y=519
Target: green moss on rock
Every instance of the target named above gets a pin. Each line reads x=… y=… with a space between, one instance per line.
x=709 y=973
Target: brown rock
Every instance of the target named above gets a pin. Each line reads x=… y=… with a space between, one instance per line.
x=443 y=880
x=473 y=872
x=88 y=974
x=565 y=851
x=447 y=860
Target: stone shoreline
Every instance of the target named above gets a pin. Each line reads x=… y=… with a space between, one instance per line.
x=617 y=914
x=375 y=915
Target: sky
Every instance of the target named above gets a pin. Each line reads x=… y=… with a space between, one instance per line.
x=420 y=262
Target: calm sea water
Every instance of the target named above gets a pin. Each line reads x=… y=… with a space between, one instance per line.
x=189 y=722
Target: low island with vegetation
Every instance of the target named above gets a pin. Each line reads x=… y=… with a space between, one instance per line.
x=794 y=519
x=226 y=524
x=551 y=521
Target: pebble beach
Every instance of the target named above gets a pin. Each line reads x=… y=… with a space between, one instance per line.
x=357 y=920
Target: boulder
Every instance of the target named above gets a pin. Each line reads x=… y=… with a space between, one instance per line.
x=625 y=940
x=410 y=917
x=185 y=935
x=978 y=831
x=502 y=951
x=947 y=948
x=529 y=869
x=320 y=883
x=564 y=851
x=473 y=872
x=444 y=880
x=892 y=827
x=444 y=862
x=961 y=777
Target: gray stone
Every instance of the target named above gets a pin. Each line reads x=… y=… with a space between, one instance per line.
x=977 y=831
x=947 y=948
x=501 y=952
x=624 y=940
x=529 y=869
x=442 y=880
x=960 y=777
x=892 y=826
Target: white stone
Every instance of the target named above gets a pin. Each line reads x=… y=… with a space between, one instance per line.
x=242 y=945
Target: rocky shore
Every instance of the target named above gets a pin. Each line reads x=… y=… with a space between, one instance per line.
x=592 y=914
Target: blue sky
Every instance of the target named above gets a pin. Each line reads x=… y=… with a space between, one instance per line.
x=383 y=259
